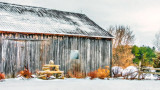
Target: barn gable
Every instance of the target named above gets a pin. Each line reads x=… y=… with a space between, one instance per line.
x=20 y=18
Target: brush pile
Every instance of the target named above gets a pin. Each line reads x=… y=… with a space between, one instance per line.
x=99 y=73
x=25 y=73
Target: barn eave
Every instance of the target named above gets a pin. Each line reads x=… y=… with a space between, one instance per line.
x=69 y=35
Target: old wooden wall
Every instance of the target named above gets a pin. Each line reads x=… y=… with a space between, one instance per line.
x=19 y=50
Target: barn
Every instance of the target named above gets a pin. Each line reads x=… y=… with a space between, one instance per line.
x=31 y=36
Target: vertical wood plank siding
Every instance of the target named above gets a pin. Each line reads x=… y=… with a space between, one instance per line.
x=33 y=51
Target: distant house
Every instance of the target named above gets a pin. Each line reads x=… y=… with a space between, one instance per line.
x=31 y=36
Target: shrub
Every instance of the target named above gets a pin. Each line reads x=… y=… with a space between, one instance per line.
x=2 y=76
x=102 y=73
x=25 y=73
x=117 y=71
x=75 y=74
x=76 y=70
x=92 y=74
x=130 y=72
x=99 y=73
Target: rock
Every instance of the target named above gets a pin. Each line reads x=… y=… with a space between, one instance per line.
x=51 y=62
x=117 y=71
x=130 y=72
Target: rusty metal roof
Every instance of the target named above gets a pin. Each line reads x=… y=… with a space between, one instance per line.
x=21 y=18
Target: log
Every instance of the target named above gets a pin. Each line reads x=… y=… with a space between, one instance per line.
x=50 y=72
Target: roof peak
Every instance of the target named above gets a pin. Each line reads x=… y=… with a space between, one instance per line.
x=23 y=18
x=38 y=7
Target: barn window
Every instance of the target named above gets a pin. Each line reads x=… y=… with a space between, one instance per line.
x=74 y=54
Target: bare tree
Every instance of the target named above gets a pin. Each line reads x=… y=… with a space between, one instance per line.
x=124 y=37
x=156 y=41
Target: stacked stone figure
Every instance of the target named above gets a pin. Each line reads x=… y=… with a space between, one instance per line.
x=51 y=71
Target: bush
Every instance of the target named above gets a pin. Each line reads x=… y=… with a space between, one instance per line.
x=2 y=76
x=103 y=73
x=92 y=74
x=76 y=70
x=144 y=54
x=75 y=74
x=131 y=72
x=25 y=73
x=117 y=71
x=100 y=73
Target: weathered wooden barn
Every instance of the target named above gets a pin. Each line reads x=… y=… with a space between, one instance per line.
x=31 y=36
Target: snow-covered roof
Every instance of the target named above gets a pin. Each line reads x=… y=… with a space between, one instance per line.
x=21 y=18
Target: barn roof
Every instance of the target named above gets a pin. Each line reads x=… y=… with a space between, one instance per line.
x=21 y=18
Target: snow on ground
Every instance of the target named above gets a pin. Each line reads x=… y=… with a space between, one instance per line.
x=130 y=70
x=116 y=70
x=79 y=84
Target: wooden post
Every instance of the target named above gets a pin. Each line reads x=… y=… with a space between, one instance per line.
x=111 y=58
x=139 y=70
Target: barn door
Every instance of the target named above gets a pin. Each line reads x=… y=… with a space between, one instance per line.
x=16 y=54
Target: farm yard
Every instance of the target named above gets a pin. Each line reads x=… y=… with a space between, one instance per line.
x=79 y=84
x=150 y=82
x=43 y=48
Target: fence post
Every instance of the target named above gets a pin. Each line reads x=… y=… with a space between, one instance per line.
x=139 y=70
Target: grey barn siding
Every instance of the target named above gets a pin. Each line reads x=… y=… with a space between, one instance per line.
x=33 y=50
x=31 y=36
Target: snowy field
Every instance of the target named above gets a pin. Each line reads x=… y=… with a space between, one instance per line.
x=79 y=84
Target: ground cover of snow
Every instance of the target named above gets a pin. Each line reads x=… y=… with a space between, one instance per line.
x=79 y=84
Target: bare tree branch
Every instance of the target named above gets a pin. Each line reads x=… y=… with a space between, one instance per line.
x=156 y=41
x=124 y=37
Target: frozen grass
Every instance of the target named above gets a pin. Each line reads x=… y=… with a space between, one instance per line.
x=79 y=84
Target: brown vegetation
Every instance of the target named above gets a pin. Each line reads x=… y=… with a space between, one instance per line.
x=122 y=42
x=75 y=74
x=2 y=76
x=75 y=71
x=100 y=73
x=122 y=56
x=156 y=60
x=25 y=73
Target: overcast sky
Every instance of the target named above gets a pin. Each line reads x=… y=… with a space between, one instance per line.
x=143 y=16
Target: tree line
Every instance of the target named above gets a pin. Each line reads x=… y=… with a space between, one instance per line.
x=125 y=53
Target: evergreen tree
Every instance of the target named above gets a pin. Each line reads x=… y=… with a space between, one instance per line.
x=143 y=54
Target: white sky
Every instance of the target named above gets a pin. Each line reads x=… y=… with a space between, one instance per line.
x=143 y=16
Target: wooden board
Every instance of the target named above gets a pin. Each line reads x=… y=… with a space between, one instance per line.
x=34 y=51
x=50 y=72
x=152 y=73
x=48 y=65
x=151 y=68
